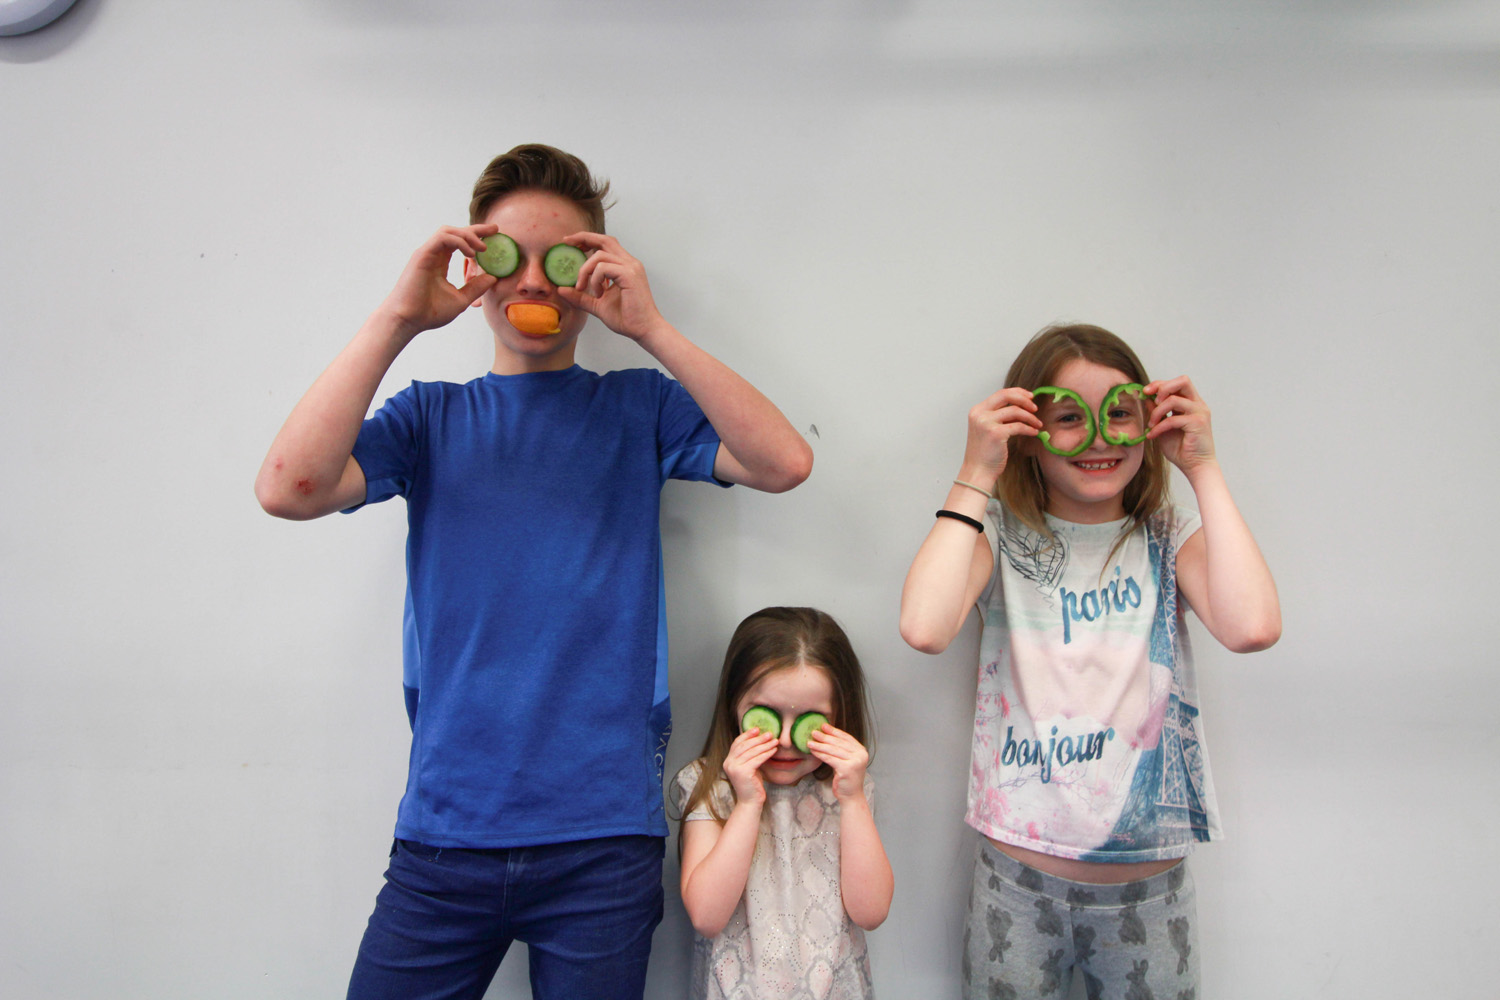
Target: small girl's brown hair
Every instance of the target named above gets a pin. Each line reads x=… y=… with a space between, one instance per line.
x=1020 y=487
x=533 y=166
x=772 y=639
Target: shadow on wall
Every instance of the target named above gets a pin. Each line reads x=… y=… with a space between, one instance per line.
x=1008 y=45
x=47 y=41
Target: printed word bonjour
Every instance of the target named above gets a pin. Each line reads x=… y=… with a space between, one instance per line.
x=1065 y=751
x=1091 y=604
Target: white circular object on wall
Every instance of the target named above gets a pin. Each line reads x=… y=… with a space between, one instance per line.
x=20 y=16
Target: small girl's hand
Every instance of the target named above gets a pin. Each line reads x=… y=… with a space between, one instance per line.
x=1186 y=437
x=747 y=753
x=845 y=754
x=1006 y=414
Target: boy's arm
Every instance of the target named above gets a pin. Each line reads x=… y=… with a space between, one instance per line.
x=310 y=470
x=759 y=447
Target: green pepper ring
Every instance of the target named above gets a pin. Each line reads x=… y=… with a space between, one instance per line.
x=1110 y=399
x=1096 y=426
x=1061 y=393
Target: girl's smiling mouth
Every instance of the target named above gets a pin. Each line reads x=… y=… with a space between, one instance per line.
x=1104 y=465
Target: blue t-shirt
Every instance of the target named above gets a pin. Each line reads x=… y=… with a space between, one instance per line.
x=535 y=641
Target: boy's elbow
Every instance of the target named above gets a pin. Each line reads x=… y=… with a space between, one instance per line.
x=793 y=471
x=271 y=499
x=286 y=503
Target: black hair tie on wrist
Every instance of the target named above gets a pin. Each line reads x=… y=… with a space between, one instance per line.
x=965 y=518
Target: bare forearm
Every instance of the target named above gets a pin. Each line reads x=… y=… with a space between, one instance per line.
x=1243 y=610
x=940 y=586
x=304 y=469
x=865 y=877
x=768 y=452
x=713 y=885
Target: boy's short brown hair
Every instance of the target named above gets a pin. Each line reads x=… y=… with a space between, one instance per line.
x=533 y=166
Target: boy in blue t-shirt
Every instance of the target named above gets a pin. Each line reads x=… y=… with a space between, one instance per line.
x=535 y=644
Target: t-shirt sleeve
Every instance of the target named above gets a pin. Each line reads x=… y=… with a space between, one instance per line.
x=386 y=448
x=995 y=515
x=1185 y=523
x=686 y=442
x=683 y=783
x=682 y=787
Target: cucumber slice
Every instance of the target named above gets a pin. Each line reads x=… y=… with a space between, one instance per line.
x=803 y=726
x=562 y=263
x=500 y=256
x=762 y=718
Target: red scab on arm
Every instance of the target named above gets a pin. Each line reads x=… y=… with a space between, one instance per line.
x=305 y=487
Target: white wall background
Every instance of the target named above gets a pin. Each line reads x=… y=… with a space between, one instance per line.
x=865 y=208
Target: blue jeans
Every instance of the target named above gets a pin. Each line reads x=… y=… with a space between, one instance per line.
x=446 y=917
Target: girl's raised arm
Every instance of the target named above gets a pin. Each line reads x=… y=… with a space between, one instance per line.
x=954 y=562
x=1220 y=568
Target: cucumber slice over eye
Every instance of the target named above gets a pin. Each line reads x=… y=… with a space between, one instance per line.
x=561 y=264
x=762 y=718
x=803 y=727
x=500 y=256
x=1059 y=393
x=1113 y=397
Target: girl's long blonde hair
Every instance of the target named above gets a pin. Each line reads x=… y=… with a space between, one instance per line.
x=773 y=639
x=1020 y=486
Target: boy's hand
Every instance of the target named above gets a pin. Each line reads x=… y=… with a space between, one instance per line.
x=845 y=754
x=612 y=286
x=1180 y=423
x=423 y=298
x=747 y=753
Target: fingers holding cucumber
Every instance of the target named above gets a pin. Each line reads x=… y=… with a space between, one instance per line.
x=423 y=297
x=749 y=751
x=843 y=753
x=612 y=285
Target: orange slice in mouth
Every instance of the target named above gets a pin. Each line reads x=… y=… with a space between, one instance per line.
x=533 y=318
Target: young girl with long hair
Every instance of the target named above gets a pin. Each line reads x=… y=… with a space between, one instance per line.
x=782 y=868
x=1089 y=778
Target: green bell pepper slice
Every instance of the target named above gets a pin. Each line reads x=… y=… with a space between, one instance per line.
x=1060 y=393
x=1110 y=399
x=1097 y=424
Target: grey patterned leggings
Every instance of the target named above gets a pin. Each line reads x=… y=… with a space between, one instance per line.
x=1029 y=931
